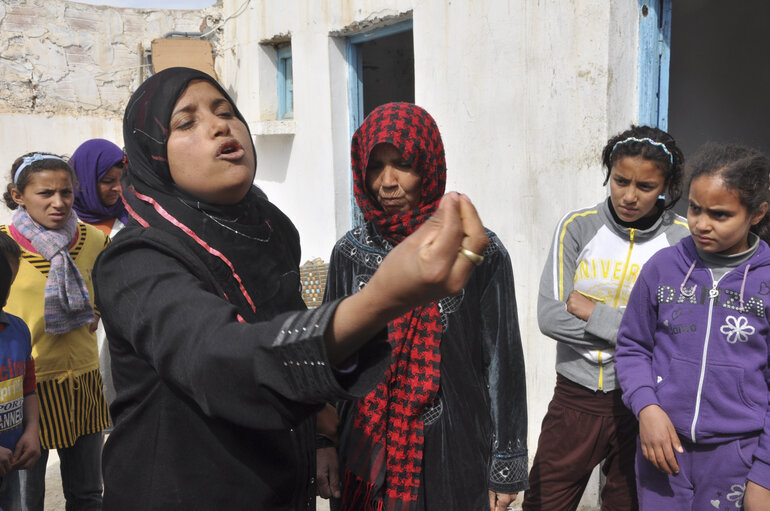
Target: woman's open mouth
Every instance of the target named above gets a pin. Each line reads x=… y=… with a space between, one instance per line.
x=230 y=151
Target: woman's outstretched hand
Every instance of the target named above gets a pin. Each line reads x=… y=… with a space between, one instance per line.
x=426 y=266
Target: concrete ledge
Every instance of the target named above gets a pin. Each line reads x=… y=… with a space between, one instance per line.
x=282 y=127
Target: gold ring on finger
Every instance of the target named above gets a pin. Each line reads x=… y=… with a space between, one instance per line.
x=472 y=256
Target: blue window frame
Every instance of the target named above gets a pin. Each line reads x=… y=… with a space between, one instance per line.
x=654 y=61
x=285 y=83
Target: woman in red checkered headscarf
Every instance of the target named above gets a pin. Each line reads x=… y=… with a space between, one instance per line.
x=410 y=135
x=447 y=428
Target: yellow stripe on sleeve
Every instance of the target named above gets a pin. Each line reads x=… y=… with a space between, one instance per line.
x=561 y=249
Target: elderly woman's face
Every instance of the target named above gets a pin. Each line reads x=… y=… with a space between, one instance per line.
x=209 y=148
x=390 y=179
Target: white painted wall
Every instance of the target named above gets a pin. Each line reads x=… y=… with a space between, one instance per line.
x=59 y=134
x=306 y=172
x=525 y=94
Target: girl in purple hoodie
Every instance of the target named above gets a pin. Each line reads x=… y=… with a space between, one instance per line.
x=693 y=353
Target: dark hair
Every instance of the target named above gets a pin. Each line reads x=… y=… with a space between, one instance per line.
x=9 y=248
x=742 y=169
x=671 y=164
x=36 y=166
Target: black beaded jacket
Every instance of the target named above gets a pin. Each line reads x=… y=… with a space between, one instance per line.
x=476 y=430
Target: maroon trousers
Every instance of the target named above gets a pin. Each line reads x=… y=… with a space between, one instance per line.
x=580 y=429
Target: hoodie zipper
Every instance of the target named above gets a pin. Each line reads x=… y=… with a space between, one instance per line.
x=631 y=234
x=713 y=293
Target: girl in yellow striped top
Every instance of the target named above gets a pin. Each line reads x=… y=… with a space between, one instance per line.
x=53 y=295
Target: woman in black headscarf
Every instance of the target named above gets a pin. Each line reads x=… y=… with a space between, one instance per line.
x=217 y=366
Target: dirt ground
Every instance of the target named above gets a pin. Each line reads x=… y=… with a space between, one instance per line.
x=54 y=498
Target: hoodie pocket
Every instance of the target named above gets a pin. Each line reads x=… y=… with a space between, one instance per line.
x=677 y=392
x=725 y=407
x=746 y=447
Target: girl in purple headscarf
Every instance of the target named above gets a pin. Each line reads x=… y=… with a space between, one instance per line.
x=99 y=164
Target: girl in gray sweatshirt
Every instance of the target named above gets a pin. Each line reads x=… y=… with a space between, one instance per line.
x=593 y=263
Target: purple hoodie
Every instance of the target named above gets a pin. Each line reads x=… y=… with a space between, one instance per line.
x=699 y=349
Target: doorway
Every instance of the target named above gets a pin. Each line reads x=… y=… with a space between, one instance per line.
x=719 y=78
x=703 y=75
x=380 y=70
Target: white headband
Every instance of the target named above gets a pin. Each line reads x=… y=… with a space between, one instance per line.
x=648 y=140
x=28 y=160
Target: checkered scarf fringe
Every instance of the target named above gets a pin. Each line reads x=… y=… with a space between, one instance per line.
x=384 y=470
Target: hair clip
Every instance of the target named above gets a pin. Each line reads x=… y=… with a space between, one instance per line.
x=648 y=140
x=28 y=160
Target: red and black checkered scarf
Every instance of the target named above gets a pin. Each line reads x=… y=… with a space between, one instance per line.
x=384 y=453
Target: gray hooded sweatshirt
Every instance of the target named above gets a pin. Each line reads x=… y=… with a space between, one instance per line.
x=599 y=258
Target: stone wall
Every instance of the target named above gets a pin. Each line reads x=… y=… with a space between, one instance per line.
x=68 y=69
x=76 y=59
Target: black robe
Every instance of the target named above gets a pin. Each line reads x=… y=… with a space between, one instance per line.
x=212 y=412
x=476 y=431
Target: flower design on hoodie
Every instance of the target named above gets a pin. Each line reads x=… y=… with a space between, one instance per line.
x=738 y=491
x=737 y=329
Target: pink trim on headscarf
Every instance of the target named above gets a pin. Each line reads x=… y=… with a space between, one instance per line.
x=211 y=250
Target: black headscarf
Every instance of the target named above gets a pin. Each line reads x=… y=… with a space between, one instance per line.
x=251 y=247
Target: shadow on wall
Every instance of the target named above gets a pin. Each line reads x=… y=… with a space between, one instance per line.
x=273 y=155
